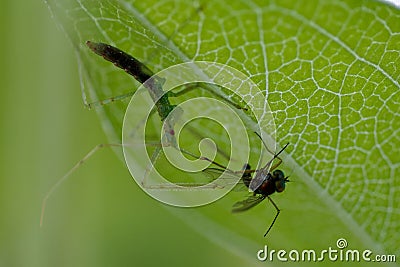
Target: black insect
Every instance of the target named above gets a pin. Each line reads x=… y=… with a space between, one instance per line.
x=266 y=181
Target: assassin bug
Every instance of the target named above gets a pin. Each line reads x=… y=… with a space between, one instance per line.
x=154 y=85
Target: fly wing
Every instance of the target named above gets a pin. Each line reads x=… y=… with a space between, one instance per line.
x=246 y=176
x=260 y=176
x=258 y=179
x=263 y=173
x=230 y=177
x=248 y=203
x=215 y=173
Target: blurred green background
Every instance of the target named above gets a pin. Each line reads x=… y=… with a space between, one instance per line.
x=99 y=217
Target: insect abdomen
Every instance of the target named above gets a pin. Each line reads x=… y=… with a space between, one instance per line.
x=122 y=60
x=267 y=187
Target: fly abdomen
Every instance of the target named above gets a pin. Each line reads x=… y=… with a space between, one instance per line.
x=267 y=187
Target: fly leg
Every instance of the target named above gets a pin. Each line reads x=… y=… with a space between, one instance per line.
x=276 y=216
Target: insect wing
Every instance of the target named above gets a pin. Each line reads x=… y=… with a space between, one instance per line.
x=258 y=179
x=248 y=203
x=225 y=177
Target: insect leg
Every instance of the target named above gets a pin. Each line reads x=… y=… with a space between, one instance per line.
x=276 y=165
x=196 y=12
x=203 y=158
x=110 y=100
x=153 y=159
x=193 y=86
x=279 y=159
x=68 y=174
x=276 y=216
x=276 y=156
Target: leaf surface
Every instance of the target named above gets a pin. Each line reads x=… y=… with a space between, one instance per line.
x=330 y=71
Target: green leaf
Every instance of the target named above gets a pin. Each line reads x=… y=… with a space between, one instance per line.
x=330 y=71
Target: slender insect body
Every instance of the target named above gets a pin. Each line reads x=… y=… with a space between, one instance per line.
x=139 y=71
x=122 y=60
x=154 y=85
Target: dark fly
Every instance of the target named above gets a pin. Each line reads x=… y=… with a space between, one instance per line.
x=264 y=183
